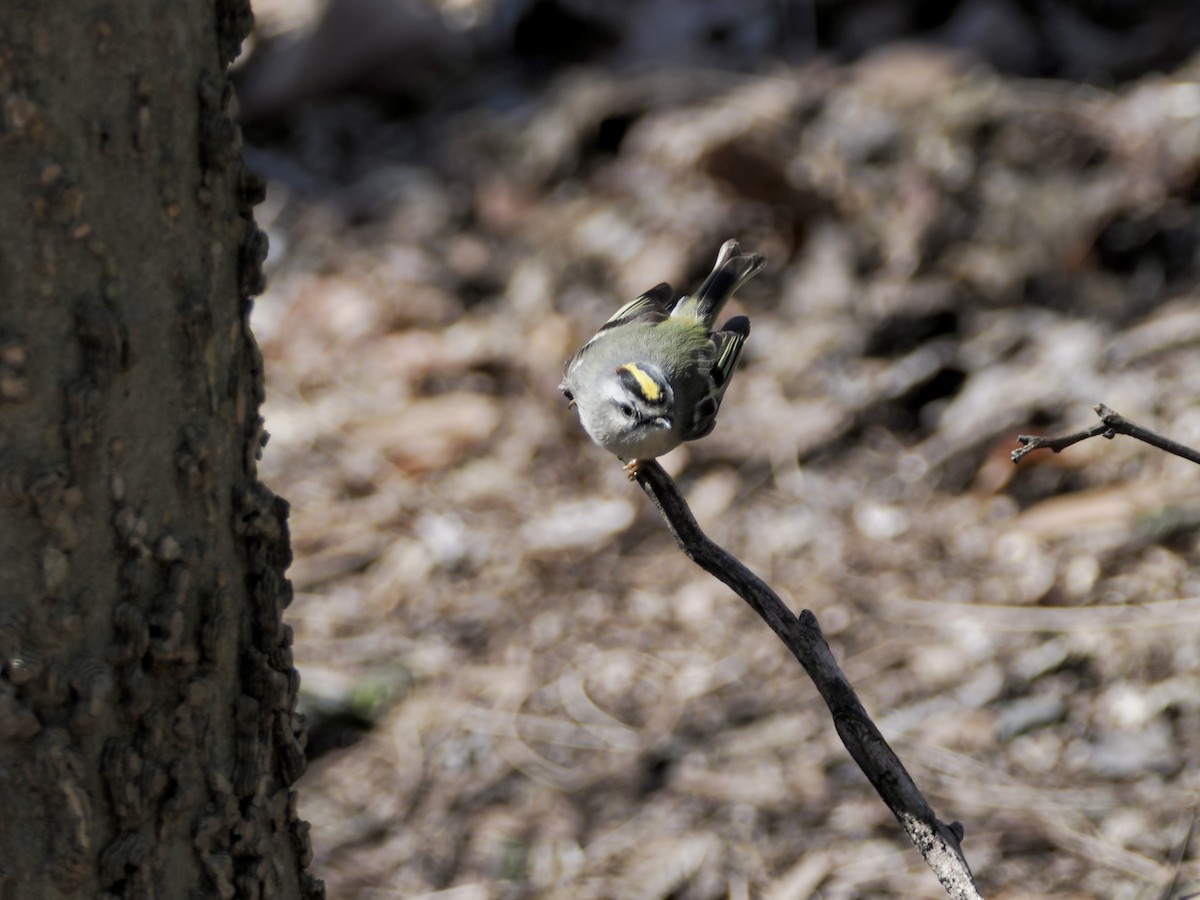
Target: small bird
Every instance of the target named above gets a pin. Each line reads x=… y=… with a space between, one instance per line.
x=654 y=374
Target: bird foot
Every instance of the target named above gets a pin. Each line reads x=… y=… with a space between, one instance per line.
x=633 y=467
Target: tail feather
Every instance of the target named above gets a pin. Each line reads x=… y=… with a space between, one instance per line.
x=732 y=269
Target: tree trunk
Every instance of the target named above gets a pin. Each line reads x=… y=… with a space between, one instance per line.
x=148 y=733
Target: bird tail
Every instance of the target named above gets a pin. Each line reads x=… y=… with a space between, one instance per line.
x=732 y=269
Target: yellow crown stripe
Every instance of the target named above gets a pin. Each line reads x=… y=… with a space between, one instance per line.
x=649 y=388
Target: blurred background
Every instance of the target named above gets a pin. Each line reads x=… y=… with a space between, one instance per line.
x=980 y=218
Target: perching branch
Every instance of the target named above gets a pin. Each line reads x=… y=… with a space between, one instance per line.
x=1111 y=424
x=938 y=842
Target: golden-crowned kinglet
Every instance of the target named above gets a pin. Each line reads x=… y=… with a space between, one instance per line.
x=654 y=374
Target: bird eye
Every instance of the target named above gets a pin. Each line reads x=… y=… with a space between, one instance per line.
x=627 y=410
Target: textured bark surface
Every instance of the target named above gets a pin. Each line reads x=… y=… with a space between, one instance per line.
x=148 y=735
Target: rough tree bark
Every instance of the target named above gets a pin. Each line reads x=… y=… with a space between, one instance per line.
x=148 y=733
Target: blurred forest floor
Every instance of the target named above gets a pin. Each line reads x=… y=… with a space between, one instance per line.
x=517 y=686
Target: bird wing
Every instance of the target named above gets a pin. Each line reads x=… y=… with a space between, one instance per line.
x=652 y=307
x=728 y=343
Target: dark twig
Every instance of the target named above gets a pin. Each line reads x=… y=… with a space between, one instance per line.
x=1171 y=891
x=938 y=842
x=1111 y=424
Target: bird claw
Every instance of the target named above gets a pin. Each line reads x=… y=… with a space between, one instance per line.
x=633 y=468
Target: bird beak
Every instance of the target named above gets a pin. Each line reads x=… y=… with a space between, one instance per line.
x=663 y=422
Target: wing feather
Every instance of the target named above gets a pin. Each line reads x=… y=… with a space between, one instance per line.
x=652 y=307
x=728 y=344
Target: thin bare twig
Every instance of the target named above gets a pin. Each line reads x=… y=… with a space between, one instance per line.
x=938 y=842
x=1111 y=424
